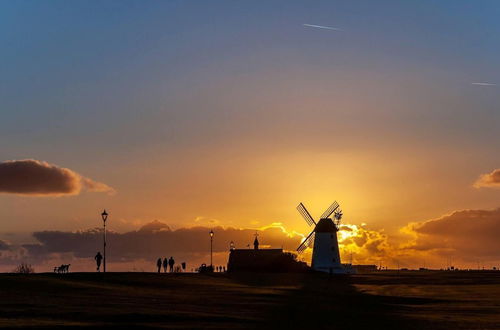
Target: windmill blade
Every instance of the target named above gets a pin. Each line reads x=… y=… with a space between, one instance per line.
x=306 y=243
x=305 y=214
x=330 y=210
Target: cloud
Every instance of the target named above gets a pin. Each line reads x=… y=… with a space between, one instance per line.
x=38 y=178
x=468 y=235
x=154 y=226
x=483 y=84
x=489 y=180
x=192 y=244
x=368 y=245
x=153 y=240
x=4 y=246
x=322 y=27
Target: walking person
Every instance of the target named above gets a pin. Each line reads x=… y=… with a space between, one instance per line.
x=165 y=264
x=158 y=264
x=171 y=263
x=98 y=259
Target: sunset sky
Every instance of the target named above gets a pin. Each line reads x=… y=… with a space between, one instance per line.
x=227 y=114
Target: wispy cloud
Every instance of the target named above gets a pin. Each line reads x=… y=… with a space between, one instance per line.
x=322 y=27
x=483 y=84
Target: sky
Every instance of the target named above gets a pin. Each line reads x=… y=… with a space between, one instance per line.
x=227 y=114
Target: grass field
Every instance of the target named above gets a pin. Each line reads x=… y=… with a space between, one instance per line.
x=391 y=300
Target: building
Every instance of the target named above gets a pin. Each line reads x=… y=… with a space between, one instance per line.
x=263 y=260
x=365 y=268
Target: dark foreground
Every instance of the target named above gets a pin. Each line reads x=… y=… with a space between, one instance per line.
x=411 y=300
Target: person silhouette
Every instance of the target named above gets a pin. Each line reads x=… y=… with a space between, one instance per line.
x=158 y=264
x=165 y=265
x=171 y=263
x=98 y=259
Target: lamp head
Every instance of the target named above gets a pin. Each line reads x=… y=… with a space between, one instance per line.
x=104 y=216
x=211 y=233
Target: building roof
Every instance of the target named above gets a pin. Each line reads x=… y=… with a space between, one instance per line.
x=273 y=260
x=325 y=225
x=260 y=251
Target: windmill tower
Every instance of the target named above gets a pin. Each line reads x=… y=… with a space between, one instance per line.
x=326 y=255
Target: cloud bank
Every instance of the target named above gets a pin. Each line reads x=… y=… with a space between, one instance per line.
x=489 y=180
x=466 y=236
x=155 y=239
x=140 y=248
x=38 y=178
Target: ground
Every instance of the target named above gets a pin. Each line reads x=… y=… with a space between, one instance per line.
x=390 y=300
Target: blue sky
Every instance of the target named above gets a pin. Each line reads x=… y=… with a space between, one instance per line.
x=170 y=102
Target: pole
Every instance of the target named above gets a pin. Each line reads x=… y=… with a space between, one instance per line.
x=211 y=249
x=104 y=246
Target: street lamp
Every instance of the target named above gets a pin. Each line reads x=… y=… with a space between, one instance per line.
x=211 y=246
x=104 y=216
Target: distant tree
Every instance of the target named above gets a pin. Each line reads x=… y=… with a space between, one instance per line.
x=24 y=268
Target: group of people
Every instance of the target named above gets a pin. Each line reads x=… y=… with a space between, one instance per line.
x=165 y=263
x=220 y=269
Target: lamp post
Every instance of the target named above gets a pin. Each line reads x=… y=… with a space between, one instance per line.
x=104 y=216
x=211 y=246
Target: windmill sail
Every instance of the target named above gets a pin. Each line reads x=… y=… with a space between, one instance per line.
x=305 y=214
x=330 y=210
x=306 y=243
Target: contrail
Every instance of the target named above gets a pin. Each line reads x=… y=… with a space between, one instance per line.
x=483 y=84
x=322 y=27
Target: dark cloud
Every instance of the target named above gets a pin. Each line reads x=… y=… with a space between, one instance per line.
x=155 y=226
x=489 y=179
x=153 y=240
x=467 y=236
x=38 y=178
x=468 y=233
x=4 y=246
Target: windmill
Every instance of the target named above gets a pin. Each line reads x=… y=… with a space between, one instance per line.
x=323 y=239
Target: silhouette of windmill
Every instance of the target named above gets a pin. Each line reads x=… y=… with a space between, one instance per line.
x=323 y=239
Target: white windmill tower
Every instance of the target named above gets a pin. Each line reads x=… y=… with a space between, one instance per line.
x=326 y=255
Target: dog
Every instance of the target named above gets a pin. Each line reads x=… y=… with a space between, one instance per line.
x=62 y=269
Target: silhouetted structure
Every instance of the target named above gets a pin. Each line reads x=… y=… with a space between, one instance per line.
x=205 y=269
x=263 y=260
x=326 y=254
x=364 y=268
x=98 y=259
x=104 y=216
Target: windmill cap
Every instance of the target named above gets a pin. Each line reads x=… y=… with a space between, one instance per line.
x=325 y=225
